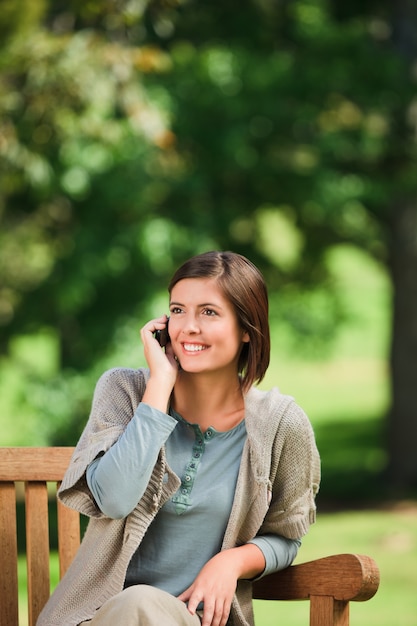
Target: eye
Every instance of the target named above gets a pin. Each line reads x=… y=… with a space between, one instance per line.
x=209 y=312
x=175 y=310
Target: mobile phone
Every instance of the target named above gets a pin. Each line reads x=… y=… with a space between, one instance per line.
x=162 y=336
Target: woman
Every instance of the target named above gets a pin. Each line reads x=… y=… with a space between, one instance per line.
x=195 y=481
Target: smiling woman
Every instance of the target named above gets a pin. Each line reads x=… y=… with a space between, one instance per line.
x=195 y=481
x=204 y=326
x=243 y=287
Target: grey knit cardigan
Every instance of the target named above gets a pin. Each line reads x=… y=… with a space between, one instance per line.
x=277 y=483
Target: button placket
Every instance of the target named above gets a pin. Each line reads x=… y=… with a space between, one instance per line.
x=183 y=497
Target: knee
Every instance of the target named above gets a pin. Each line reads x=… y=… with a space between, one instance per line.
x=144 y=605
x=142 y=600
x=140 y=595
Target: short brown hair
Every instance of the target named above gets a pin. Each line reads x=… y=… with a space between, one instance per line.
x=244 y=286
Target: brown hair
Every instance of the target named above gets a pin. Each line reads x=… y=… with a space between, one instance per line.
x=244 y=286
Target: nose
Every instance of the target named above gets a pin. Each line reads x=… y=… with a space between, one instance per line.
x=190 y=326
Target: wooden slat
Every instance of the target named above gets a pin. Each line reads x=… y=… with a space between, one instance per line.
x=326 y=611
x=321 y=611
x=8 y=555
x=34 y=463
x=341 y=613
x=37 y=548
x=68 y=536
x=342 y=576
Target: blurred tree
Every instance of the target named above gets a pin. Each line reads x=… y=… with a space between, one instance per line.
x=81 y=142
x=302 y=113
x=135 y=133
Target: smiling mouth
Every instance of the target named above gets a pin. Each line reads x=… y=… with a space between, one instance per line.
x=192 y=347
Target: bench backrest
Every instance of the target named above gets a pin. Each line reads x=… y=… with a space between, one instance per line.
x=329 y=583
x=35 y=467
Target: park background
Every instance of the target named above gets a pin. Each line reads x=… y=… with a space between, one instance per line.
x=136 y=133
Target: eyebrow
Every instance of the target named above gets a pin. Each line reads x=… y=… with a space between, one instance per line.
x=203 y=304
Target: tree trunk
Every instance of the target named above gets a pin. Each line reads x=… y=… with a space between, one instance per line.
x=402 y=422
x=402 y=419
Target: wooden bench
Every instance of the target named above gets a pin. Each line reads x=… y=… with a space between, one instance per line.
x=329 y=583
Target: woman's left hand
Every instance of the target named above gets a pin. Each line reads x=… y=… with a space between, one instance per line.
x=214 y=586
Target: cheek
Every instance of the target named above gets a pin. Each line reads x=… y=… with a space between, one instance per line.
x=234 y=341
x=173 y=328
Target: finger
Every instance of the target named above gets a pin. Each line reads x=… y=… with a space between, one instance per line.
x=208 y=614
x=183 y=597
x=216 y=615
x=193 y=603
x=224 y=616
x=150 y=327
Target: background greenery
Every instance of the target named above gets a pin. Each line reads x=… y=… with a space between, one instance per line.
x=136 y=133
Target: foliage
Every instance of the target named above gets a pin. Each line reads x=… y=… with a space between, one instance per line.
x=136 y=133
x=119 y=152
x=79 y=148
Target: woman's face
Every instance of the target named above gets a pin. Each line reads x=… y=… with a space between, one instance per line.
x=203 y=327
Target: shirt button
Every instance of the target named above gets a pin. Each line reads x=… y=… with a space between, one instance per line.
x=188 y=478
x=196 y=455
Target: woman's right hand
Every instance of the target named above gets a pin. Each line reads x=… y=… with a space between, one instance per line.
x=162 y=364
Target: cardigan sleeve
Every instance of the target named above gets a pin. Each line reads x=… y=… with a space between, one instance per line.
x=118 y=479
x=116 y=397
x=295 y=476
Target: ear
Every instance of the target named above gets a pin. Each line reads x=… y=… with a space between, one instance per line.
x=245 y=337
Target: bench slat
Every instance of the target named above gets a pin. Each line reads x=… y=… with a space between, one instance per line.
x=22 y=464
x=37 y=548
x=8 y=551
x=68 y=536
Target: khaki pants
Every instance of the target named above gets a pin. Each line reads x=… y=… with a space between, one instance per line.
x=142 y=605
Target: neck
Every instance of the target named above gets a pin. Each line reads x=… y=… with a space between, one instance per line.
x=208 y=401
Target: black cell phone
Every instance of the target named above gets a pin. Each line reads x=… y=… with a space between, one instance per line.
x=162 y=336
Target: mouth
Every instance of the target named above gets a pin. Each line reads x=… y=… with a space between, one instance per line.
x=193 y=347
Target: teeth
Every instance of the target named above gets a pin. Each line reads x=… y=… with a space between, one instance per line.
x=192 y=347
